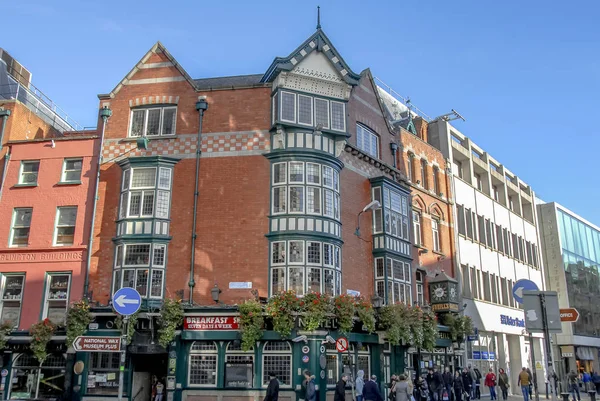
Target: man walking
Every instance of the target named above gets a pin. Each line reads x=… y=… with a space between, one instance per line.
x=273 y=388
x=448 y=382
x=437 y=384
x=371 y=390
x=473 y=382
x=340 y=389
x=524 y=383
x=574 y=385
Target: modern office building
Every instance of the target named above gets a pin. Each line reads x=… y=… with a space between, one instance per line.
x=497 y=246
x=571 y=254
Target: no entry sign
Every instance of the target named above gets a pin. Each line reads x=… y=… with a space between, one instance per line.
x=341 y=344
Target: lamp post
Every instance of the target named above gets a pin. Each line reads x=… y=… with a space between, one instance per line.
x=371 y=206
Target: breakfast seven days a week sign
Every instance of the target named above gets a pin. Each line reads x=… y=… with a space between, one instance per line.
x=217 y=323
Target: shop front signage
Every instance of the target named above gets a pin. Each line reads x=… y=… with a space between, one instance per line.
x=512 y=321
x=492 y=356
x=97 y=344
x=476 y=355
x=444 y=307
x=216 y=323
x=485 y=355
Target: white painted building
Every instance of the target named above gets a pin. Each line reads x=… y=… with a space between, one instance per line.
x=498 y=244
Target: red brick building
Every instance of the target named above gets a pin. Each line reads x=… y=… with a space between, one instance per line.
x=286 y=164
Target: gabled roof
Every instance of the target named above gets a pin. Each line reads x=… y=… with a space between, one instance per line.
x=384 y=112
x=156 y=49
x=320 y=42
x=238 y=81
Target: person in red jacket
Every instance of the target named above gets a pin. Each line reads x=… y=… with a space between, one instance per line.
x=490 y=381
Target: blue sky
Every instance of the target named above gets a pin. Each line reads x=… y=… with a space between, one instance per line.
x=525 y=74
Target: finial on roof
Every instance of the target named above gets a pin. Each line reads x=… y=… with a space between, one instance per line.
x=318 y=17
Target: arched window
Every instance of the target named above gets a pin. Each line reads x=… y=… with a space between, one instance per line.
x=277 y=358
x=29 y=380
x=203 y=367
x=239 y=366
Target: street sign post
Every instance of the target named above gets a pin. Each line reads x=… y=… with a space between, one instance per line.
x=570 y=315
x=97 y=344
x=523 y=285
x=125 y=302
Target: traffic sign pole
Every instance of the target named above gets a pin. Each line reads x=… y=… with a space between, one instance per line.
x=549 y=361
x=124 y=331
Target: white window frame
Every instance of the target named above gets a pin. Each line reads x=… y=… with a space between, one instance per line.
x=4 y=278
x=126 y=266
x=418 y=238
x=21 y=172
x=277 y=353
x=312 y=119
x=56 y=227
x=214 y=352
x=285 y=257
x=331 y=103
x=272 y=270
x=320 y=197
x=143 y=195
x=317 y=99
x=285 y=175
x=160 y=121
x=63 y=177
x=289 y=171
x=47 y=290
x=133 y=170
x=285 y=203
x=12 y=227
x=303 y=253
x=365 y=131
x=162 y=286
x=281 y=107
x=435 y=233
x=302 y=203
x=320 y=253
x=168 y=187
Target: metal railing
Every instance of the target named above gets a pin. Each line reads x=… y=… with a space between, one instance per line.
x=38 y=103
x=404 y=100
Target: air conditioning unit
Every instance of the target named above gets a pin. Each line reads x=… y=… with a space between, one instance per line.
x=15 y=69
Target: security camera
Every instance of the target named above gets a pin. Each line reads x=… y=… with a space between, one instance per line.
x=329 y=340
x=300 y=339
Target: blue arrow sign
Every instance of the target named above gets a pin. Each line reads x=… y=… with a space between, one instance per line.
x=523 y=285
x=126 y=301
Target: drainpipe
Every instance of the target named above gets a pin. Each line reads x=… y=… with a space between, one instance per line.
x=201 y=106
x=4 y=114
x=6 y=160
x=105 y=114
x=394 y=147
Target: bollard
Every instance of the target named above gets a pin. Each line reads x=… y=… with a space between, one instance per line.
x=592 y=394
x=547 y=388
x=565 y=396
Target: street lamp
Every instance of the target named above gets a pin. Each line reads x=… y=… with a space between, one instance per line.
x=371 y=206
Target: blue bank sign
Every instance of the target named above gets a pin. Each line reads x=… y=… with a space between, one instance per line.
x=512 y=321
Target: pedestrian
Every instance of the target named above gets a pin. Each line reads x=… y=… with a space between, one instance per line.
x=429 y=379
x=478 y=376
x=490 y=381
x=273 y=388
x=437 y=385
x=340 y=389
x=371 y=390
x=458 y=389
x=359 y=384
x=403 y=389
x=574 y=385
x=448 y=381
x=473 y=381
x=467 y=380
x=504 y=383
x=422 y=390
x=587 y=379
x=596 y=381
x=524 y=383
x=530 y=382
x=311 y=391
x=392 y=387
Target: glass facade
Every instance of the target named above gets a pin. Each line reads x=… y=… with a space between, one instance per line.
x=581 y=259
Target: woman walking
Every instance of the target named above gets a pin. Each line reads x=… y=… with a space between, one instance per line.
x=504 y=384
x=490 y=381
x=403 y=391
x=458 y=388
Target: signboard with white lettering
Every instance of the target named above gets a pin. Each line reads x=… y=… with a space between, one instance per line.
x=97 y=344
x=211 y=323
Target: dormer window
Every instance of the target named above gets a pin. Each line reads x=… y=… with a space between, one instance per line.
x=153 y=121
x=312 y=111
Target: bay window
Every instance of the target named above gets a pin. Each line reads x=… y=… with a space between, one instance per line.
x=311 y=111
x=140 y=266
x=395 y=213
x=305 y=188
x=305 y=266
x=146 y=192
x=393 y=278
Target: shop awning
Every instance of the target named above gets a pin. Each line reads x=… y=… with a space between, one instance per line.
x=585 y=353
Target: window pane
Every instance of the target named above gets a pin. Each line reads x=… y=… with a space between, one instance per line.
x=328 y=176
x=65 y=235
x=288 y=106
x=314 y=252
x=164 y=178
x=313 y=200
x=328 y=203
x=67 y=216
x=128 y=278
x=158 y=259
x=296 y=172
x=279 y=200
x=338 y=119
x=137 y=122
x=322 y=112
x=135 y=199
x=304 y=109
x=137 y=255
x=72 y=170
x=169 y=121
x=296 y=199
x=278 y=252
x=148 y=207
x=157 y=283
x=328 y=282
x=144 y=178
x=29 y=172
x=313 y=173
x=153 y=122
x=277 y=280
x=141 y=284
x=203 y=369
x=296 y=251
x=117 y=281
x=296 y=280
x=328 y=254
x=377 y=217
x=281 y=365
x=162 y=204
x=279 y=173
x=314 y=280
x=126 y=176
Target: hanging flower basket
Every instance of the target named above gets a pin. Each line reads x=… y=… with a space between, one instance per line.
x=251 y=323
x=41 y=334
x=283 y=308
x=171 y=317
x=78 y=320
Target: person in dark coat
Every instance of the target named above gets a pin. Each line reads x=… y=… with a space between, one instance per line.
x=437 y=385
x=340 y=389
x=273 y=388
x=371 y=390
x=458 y=389
x=467 y=383
x=448 y=381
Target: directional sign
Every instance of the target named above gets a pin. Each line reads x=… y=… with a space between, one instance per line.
x=472 y=337
x=97 y=344
x=341 y=344
x=569 y=315
x=523 y=285
x=126 y=301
